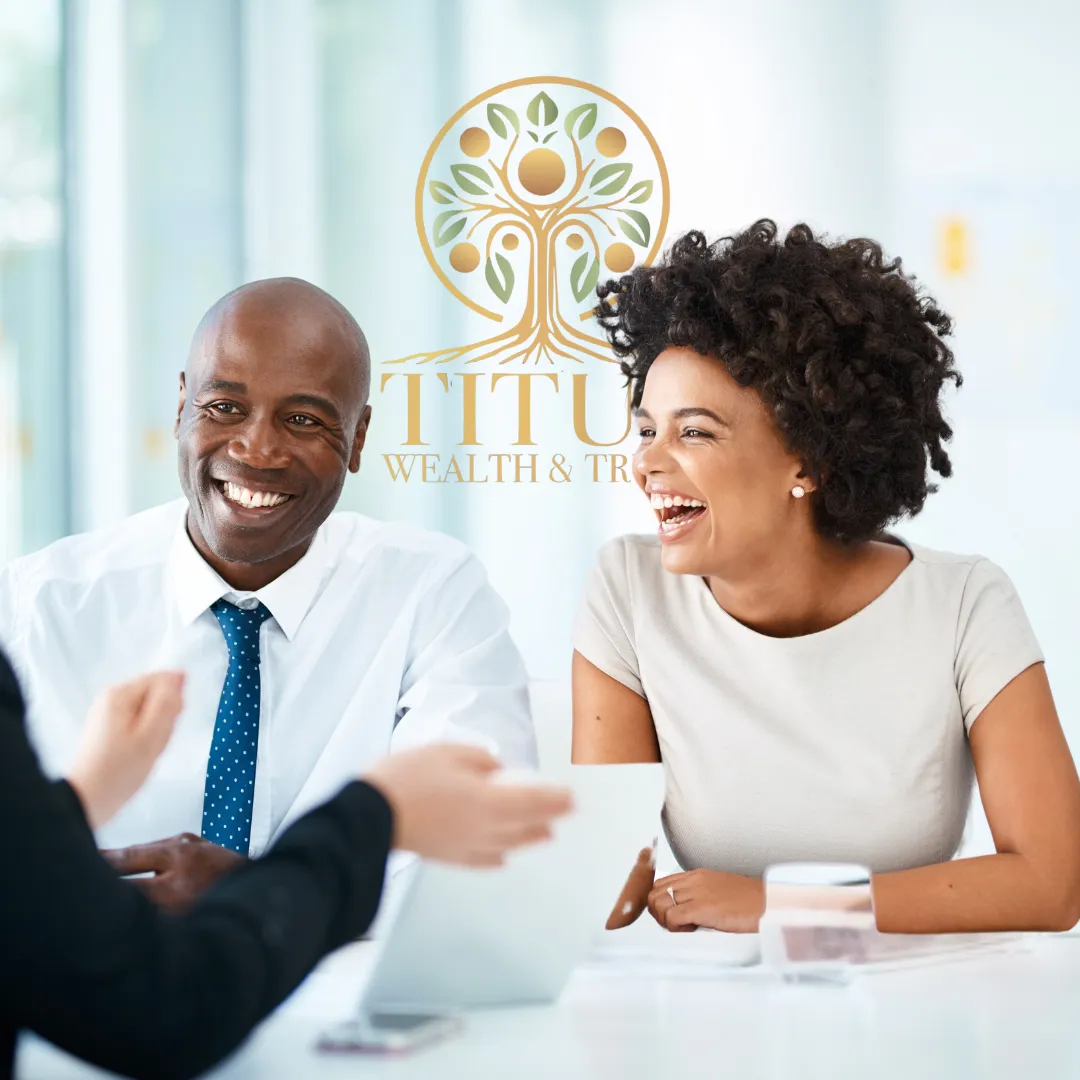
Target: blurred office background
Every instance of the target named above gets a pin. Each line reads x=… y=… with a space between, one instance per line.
x=156 y=153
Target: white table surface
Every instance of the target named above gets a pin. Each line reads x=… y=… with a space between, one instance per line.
x=1013 y=1013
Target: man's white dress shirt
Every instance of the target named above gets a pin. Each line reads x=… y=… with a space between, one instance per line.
x=382 y=636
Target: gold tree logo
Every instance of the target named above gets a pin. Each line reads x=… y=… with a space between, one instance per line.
x=527 y=194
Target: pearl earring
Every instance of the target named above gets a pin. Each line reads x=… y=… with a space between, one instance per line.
x=798 y=491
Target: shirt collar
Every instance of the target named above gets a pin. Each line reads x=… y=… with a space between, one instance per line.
x=288 y=598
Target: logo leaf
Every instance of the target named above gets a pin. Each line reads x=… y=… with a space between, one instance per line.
x=542 y=111
x=467 y=175
x=532 y=135
x=640 y=192
x=440 y=192
x=583 y=281
x=587 y=115
x=639 y=235
x=499 y=288
x=550 y=135
x=443 y=231
x=498 y=116
x=610 y=178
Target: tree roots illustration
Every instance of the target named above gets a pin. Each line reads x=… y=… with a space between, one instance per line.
x=483 y=203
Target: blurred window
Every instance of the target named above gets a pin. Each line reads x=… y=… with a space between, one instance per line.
x=34 y=419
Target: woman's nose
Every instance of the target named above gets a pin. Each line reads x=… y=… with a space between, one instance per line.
x=649 y=458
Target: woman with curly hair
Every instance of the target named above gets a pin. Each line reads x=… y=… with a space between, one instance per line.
x=816 y=688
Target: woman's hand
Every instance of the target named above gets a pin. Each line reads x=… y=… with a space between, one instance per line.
x=708 y=898
x=635 y=893
x=126 y=729
x=447 y=805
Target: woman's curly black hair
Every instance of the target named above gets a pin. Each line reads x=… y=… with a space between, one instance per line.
x=844 y=349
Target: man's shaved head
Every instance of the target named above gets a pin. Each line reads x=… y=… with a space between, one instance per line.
x=300 y=308
x=273 y=415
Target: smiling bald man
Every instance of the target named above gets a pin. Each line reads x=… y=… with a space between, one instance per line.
x=313 y=641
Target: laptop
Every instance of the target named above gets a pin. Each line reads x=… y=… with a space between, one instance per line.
x=465 y=938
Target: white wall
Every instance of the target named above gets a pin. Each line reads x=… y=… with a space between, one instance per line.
x=983 y=111
x=765 y=109
x=883 y=118
x=982 y=118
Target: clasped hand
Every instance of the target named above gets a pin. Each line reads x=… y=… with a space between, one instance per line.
x=708 y=898
x=691 y=899
x=182 y=868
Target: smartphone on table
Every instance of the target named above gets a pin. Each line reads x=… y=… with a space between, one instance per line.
x=389 y=1032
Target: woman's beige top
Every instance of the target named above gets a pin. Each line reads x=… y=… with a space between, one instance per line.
x=848 y=745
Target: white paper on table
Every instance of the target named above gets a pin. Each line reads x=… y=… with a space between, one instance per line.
x=895 y=952
x=646 y=948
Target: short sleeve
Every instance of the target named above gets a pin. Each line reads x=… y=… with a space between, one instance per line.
x=994 y=640
x=604 y=629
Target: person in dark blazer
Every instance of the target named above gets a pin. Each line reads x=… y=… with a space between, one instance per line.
x=92 y=965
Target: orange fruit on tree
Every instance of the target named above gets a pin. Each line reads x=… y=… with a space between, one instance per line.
x=474 y=142
x=465 y=258
x=542 y=171
x=619 y=257
x=611 y=142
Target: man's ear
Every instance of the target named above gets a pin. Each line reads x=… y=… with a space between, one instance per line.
x=180 y=406
x=358 y=439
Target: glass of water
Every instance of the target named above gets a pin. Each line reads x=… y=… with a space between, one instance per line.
x=818 y=921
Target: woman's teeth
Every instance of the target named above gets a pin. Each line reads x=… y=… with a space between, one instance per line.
x=675 y=510
x=660 y=502
x=252 y=499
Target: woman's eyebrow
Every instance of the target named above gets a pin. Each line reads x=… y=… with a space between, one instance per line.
x=695 y=410
x=682 y=414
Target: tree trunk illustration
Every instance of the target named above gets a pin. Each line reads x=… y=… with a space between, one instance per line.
x=495 y=210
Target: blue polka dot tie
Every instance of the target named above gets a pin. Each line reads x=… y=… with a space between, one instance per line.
x=230 y=772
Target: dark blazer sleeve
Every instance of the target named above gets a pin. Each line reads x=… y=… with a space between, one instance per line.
x=90 y=964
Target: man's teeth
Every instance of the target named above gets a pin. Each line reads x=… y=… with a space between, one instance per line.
x=660 y=502
x=251 y=499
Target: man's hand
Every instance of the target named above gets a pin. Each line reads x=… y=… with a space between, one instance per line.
x=184 y=867
x=708 y=898
x=635 y=893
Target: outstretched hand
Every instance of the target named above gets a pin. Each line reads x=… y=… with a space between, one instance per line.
x=126 y=730
x=448 y=805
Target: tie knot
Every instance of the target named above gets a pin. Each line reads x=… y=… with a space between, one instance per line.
x=241 y=628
